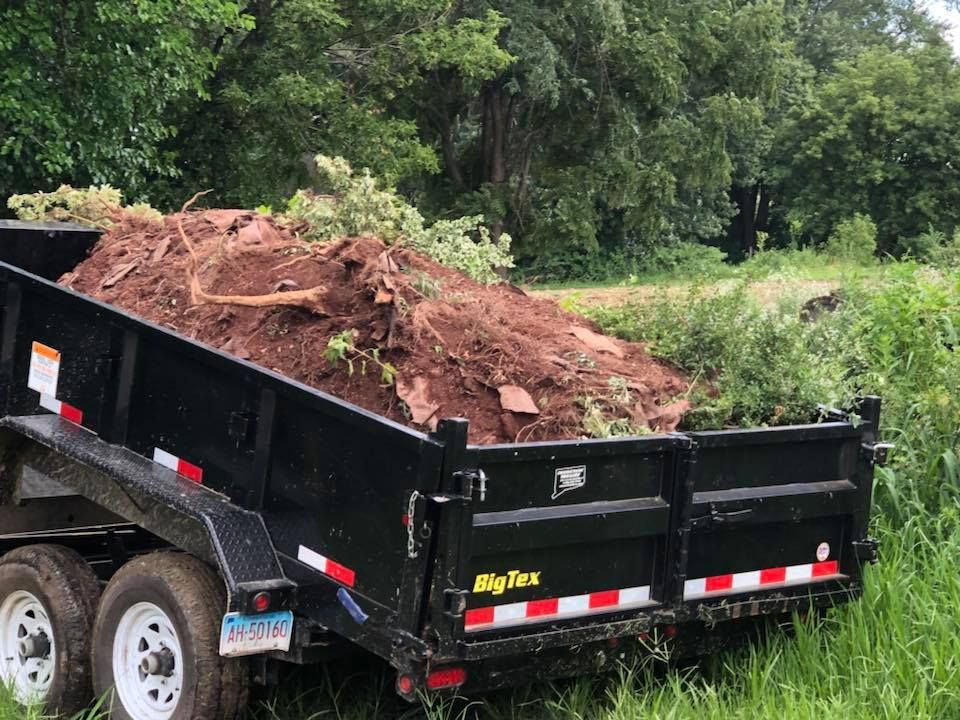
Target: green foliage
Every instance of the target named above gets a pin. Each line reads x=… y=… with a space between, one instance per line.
x=342 y=348
x=321 y=76
x=904 y=338
x=877 y=137
x=751 y=365
x=358 y=207
x=87 y=86
x=98 y=206
x=853 y=240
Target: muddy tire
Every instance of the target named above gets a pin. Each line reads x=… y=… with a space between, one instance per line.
x=156 y=643
x=48 y=600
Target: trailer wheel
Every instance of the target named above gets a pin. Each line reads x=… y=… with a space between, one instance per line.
x=48 y=599
x=156 y=643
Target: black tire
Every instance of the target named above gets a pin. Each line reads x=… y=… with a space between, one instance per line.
x=192 y=597
x=68 y=590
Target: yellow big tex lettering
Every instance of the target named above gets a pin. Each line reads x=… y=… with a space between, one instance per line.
x=498 y=584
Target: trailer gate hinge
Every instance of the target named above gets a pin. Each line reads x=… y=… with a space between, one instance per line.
x=876 y=453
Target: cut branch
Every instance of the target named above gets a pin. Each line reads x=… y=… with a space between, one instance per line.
x=309 y=299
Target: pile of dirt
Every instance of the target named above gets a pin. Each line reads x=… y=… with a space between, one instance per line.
x=519 y=368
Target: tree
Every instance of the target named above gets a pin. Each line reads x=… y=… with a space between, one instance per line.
x=614 y=119
x=821 y=33
x=319 y=76
x=87 y=86
x=878 y=137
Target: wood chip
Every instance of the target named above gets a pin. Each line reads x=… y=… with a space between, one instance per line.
x=416 y=395
x=516 y=399
x=119 y=273
x=595 y=341
x=160 y=250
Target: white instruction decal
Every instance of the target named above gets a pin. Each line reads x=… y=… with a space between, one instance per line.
x=44 y=369
x=567 y=479
x=823 y=551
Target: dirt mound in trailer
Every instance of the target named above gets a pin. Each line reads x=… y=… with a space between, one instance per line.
x=424 y=342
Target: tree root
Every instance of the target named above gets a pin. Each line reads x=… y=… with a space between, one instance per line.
x=310 y=299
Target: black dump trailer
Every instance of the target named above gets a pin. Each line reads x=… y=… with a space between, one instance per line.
x=176 y=521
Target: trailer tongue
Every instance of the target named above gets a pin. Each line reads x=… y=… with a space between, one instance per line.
x=466 y=567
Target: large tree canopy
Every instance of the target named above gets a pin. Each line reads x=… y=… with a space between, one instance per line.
x=879 y=137
x=86 y=86
x=588 y=131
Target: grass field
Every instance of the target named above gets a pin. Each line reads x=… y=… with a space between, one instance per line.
x=896 y=653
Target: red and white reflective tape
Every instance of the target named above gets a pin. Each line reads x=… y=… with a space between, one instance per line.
x=64 y=410
x=327 y=566
x=754 y=579
x=533 y=611
x=178 y=465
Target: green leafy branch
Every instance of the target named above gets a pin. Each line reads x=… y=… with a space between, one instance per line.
x=341 y=348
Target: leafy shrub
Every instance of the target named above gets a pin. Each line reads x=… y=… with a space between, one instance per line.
x=691 y=260
x=787 y=261
x=854 y=239
x=749 y=365
x=904 y=345
x=358 y=207
x=94 y=205
x=947 y=254
x=923 y=246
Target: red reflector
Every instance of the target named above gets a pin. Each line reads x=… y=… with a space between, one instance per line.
x=536 y=608
x=339 y=572
x=405 y=520
x=719 y=582
x=446 y=678
x=824 y=568
x=261 y=602
x=69 y=412
x=604 y=599
x=190 y=471
x=405 y=684
x=480 y=616
x=773 y=575
x=670 y=631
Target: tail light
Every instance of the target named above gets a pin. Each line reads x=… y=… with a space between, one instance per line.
x=446 y=678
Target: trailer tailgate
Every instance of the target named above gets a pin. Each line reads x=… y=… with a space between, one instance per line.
x=564 y=532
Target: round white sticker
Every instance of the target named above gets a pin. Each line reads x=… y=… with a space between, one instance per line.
x=823 y=551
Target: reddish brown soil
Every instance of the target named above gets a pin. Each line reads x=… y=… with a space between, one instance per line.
x=460 y=348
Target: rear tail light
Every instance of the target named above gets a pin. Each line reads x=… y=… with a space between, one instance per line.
x=405 y=684
x=446 y=678
x=261 y=602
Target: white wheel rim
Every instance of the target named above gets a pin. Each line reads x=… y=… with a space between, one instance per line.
x=27 y=649
x=147 y=663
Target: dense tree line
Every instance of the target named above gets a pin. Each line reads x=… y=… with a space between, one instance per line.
x=591 y=132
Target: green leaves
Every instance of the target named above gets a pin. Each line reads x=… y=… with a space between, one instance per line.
x=86 y=86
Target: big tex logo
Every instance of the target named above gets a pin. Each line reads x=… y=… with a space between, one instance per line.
x=498 y=584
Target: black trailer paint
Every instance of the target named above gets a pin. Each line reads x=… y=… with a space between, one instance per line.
x=511 y=562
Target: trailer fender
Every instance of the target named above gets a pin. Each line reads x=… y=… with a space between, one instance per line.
x=187 y=515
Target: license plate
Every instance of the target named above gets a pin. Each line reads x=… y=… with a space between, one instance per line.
x=252 y=634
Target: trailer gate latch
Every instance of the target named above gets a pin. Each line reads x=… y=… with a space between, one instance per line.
x=718 y=518
x=865 y=550
x=456 y=602
x=876 y=453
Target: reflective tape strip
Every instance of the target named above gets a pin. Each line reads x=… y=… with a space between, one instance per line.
x=64 y=410
x=532 y=611
x=178 y=465
x=327 y=566
x=753 y=579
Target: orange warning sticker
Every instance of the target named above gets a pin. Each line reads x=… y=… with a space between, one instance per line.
x=44 y=369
